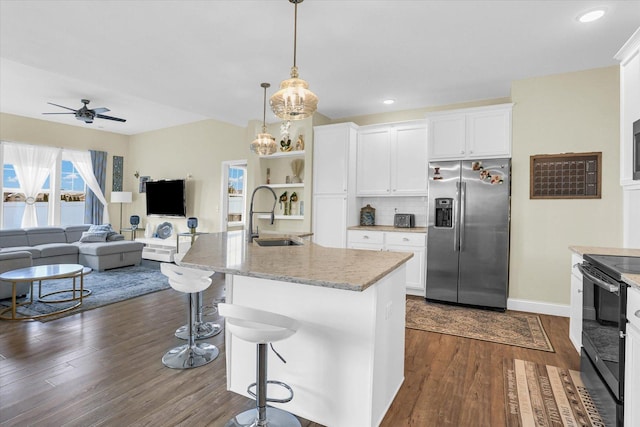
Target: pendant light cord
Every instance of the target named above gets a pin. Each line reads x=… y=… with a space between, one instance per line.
x=295 y=31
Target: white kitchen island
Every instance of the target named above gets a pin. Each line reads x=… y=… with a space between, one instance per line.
x=346 y=361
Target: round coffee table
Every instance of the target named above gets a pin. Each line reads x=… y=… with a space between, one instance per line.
x=40 y=273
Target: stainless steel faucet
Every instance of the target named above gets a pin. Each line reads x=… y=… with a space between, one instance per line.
x=251 y=234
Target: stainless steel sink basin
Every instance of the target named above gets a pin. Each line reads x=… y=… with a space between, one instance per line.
x=277 y=242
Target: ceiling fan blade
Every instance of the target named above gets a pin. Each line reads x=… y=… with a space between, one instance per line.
x=58 y=113
x=61 y=106
x=101 y=110
x=116 y=119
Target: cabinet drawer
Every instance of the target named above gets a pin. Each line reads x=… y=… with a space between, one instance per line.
x=633 y=306
x=365 y=236
x=407 y=239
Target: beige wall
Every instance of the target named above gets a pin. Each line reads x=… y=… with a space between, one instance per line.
x=195 y=149
x=574 y=112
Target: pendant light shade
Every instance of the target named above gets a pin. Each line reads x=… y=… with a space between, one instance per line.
x=294 y=100
x=265 y=143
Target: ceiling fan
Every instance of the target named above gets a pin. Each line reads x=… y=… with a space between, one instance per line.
x=87 y=114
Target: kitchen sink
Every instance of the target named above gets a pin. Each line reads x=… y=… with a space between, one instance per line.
x=277 y=242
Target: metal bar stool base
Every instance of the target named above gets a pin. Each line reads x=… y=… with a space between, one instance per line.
x=275 y=418
x=203 y=330
x=185 y=357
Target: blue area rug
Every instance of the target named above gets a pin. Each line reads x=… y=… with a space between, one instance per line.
x=107 y=287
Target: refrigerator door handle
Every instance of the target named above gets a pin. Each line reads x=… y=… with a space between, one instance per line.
x=463 y=203
x=456 y=219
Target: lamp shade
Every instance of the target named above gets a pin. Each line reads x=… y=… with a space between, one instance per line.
x=121 y=197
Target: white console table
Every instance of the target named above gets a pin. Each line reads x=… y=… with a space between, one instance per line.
x=158 y=249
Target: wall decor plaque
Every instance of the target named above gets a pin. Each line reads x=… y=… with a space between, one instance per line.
x=566 y=176
x=118 y=171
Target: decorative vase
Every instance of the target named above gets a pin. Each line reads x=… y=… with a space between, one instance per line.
x=367 y=216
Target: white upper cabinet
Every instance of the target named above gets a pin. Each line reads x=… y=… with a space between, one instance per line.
x=392 y=160
x=331 y=158
x=471 y=133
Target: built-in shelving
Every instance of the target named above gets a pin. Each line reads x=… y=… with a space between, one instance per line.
x=281 y=154
x=286 y=217
x=296 y=185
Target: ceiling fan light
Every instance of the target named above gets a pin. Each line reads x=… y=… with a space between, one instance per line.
x=294 y=100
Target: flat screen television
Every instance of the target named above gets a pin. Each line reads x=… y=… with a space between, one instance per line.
x=166 y=198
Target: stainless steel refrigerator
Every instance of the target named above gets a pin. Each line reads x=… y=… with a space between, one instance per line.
x=468 y=232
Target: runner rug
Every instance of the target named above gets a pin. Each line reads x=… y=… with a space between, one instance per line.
x=543 y=395
x=511 y=328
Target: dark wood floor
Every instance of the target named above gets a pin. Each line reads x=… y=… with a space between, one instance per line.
x=103 y=367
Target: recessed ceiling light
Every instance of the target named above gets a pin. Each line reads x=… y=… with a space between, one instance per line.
x=592 y=15
x=388 y=101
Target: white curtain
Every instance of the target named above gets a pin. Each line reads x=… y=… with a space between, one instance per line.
x=82 y=162
x=32 y=165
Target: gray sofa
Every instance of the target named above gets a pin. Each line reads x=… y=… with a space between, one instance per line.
x=13 y=261
x=61 y=245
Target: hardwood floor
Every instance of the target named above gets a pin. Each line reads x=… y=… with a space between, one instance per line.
x=103 y=368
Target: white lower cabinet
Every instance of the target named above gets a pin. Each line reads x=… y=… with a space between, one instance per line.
x=399 y=242
x=575 y=317
x=632 y=360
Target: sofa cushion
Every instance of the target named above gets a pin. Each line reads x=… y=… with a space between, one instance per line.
x=108 y=248
x=42 y=235
x=56 y=249
x=13 y=237
x=74 y=232
x=35 y=252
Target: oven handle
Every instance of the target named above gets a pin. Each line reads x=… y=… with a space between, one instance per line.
x=604 y=285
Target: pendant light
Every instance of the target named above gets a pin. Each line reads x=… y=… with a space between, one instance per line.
x=294 y=100
x=264 y=144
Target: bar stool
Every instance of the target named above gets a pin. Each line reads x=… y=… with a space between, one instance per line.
x=262 y=328
x=189 y=281
x=203 y=329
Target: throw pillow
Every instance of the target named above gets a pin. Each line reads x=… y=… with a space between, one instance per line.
x=90 y=237
x=113 y=237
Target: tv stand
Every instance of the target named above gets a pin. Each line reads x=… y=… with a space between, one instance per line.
x=158 y=249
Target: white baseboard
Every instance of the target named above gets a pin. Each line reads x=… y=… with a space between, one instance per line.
x=561 y=310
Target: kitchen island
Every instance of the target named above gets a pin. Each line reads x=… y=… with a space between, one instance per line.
x=346 y=361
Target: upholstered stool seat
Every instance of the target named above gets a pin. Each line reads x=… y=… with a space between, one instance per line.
x=261 y=328
x=202 y=329
x=190 y=281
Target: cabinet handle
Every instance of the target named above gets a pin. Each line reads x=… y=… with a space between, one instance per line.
x=579 y=291
x=637 y=313
x=470 y=151
x=405 y=239
x=461 y=151
x=365 y=237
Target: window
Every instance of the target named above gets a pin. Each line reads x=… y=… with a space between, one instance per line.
x=233 y=194
x=236 y=195
x=70 y=196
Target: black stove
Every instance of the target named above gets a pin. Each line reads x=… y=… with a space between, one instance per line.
x=604 y=305
x=615 y=266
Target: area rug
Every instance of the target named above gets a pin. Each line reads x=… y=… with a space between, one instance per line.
x=511 y=328
x=107 y=287
x=544 y=395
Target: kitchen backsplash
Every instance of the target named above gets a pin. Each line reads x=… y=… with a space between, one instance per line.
x=387 y=207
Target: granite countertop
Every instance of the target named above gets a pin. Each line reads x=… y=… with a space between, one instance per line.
x=388 y=228
x=631 y=279
x=309 y=264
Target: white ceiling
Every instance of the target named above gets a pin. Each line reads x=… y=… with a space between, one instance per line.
x=164 y=63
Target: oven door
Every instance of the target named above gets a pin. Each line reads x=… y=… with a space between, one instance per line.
x=604 y=325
